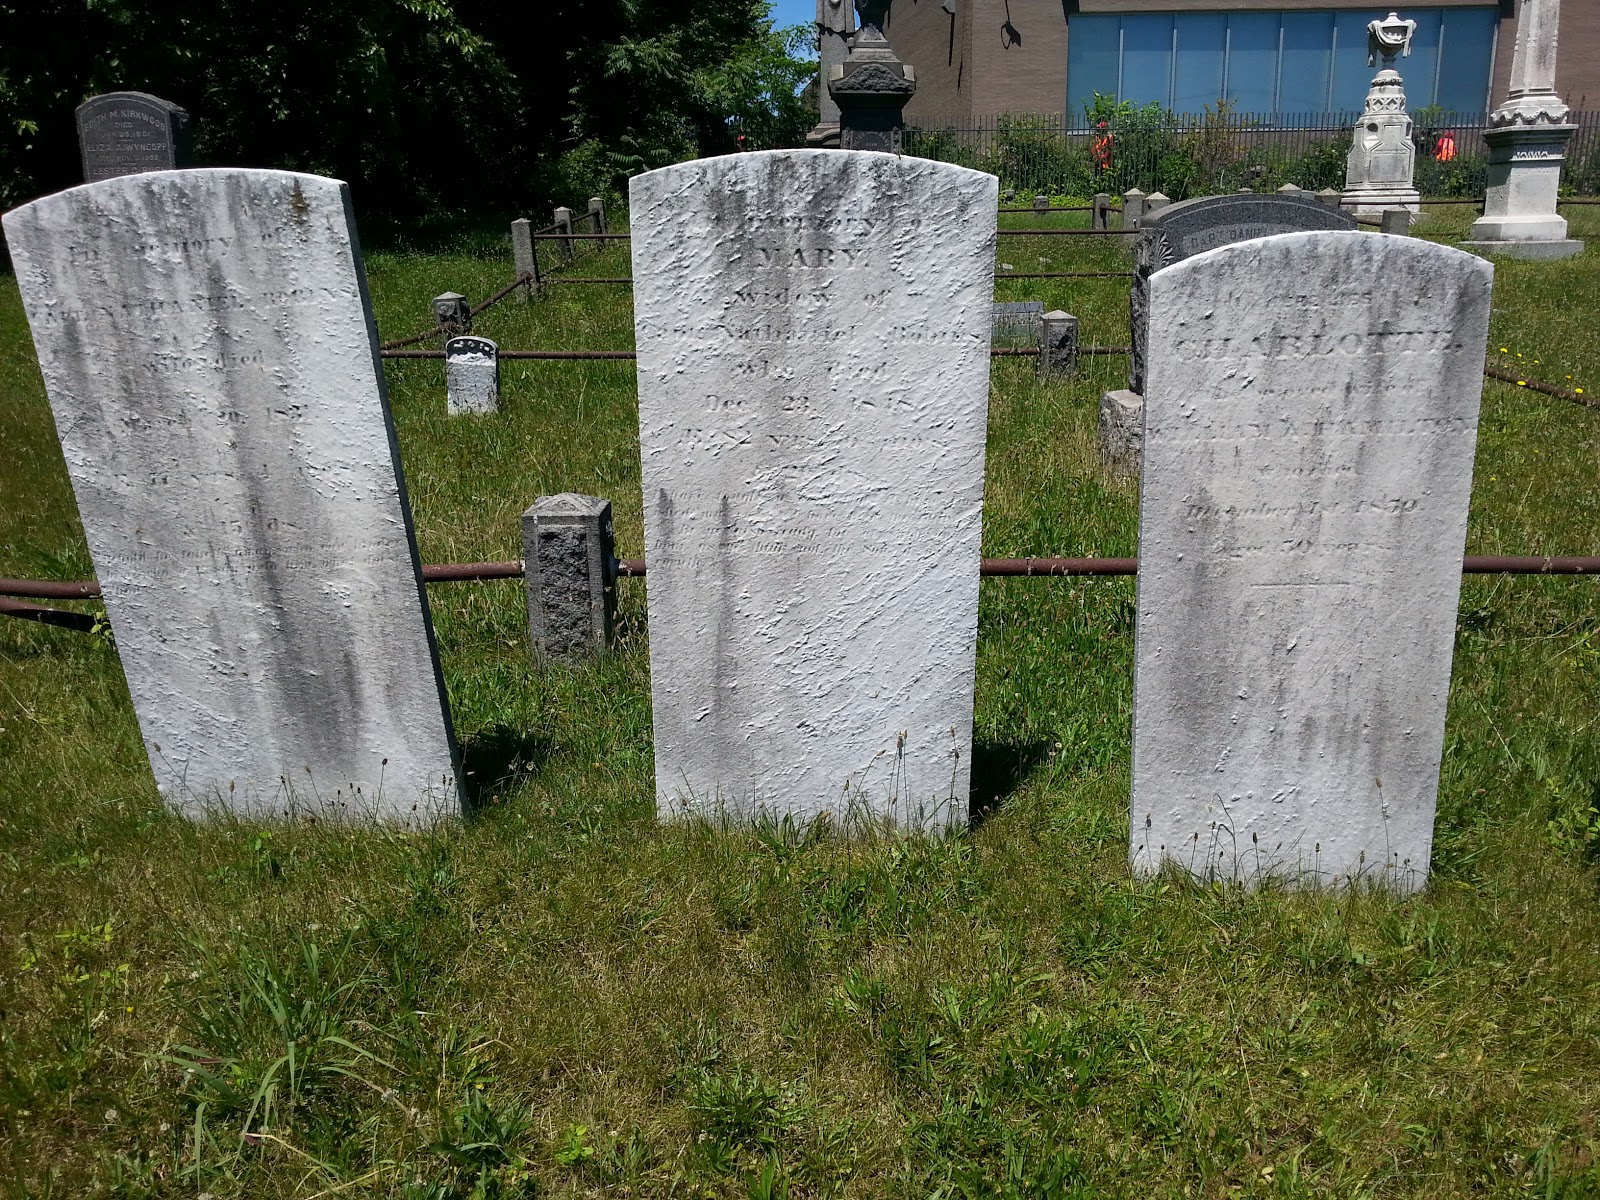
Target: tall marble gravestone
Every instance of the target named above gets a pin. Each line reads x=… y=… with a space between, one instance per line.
x=813 y=385
x=1310 y=422
x=1170 y=234
x=125 y=133
x=208 y=348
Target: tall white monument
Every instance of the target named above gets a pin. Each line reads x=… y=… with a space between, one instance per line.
x=1527 y=136
x=1383 y=158
x=836 y=21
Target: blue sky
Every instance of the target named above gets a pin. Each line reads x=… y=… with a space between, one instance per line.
x=793 y=12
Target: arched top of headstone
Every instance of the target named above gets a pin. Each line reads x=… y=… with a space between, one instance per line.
x=471 y=345
x=127 y=133
x=1190 y=227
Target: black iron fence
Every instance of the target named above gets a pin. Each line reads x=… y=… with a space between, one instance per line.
x=1183 y=155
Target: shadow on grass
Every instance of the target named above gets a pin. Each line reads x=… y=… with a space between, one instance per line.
x=998 y=769
x=497 y=759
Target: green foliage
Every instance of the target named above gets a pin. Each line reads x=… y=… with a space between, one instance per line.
x=435 y=112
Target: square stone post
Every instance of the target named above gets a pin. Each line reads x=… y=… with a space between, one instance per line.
x=1132 y=208
x=452 y=312
x=597 y=211
x=1058 y=343
x=569 y=555
x=1102 y=211
x=563 y=224
x=1397 y=221
x=1330 y=197
x=524 y=258
x=1041 y=203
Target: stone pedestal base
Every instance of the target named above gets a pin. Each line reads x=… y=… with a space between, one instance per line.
x=1122 y=431
x=823 y=137
x=1369 y=204
x=1556 y=248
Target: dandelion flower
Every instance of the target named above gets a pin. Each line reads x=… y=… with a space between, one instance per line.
x=1522 y=383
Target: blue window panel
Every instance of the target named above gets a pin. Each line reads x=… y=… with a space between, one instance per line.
x=1307 y=57
x=1147 y=58
x=1351 y=75
x=1197 y=70
x=1421 y=69
x=1093 y=52
x=1467 y=51
x=1253 y=61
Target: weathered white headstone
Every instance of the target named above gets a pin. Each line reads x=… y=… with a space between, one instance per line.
x=813 y=383
x=471 y=376
x=208 y=347
x=1310 y=422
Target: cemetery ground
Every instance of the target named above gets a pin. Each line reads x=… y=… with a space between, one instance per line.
x=561 y=996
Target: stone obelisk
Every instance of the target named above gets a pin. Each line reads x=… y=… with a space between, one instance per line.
x=1383 y=158
x=1527 y=137
x=835 y=23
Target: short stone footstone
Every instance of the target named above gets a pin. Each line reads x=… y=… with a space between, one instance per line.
x=471 y=376
x=1016 y=323
x=1308 y=447
x=1172 y=234
x=813 y=384
x=209 y=352
x=569 y=556
x=125 y=133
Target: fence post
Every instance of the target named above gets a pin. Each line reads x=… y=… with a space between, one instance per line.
x=1155 y=202
x=1290 y=189
x=1041 y=204
x=1132 y=208
x=1102 y=211
x=452 y=312
x=1330 y=197
x=597 y=210
x=563 y=225
x=523 y=256
x=1058 y=343
x=570 y=567
x=1397 y=221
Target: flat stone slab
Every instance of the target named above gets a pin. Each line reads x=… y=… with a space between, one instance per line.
x=1016 y=323
x=813 y=332
x=209 y=352
x=1309 y=430
x=1537 y=251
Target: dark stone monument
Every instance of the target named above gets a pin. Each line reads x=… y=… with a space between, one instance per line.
x=127 y=133
x=1183 y=230
x=872 y=86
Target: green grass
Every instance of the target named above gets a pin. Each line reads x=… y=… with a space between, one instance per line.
x=561 y=997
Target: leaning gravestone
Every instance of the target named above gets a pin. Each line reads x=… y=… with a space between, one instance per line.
x=1308 y=446
x=208 y=348
x=813 y=381
x=1172 y=234
x=125 y=133
x=1016 y=323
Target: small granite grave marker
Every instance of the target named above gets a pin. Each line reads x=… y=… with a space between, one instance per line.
x=1058 y=343
x=211 y=361
x=1397 y=221
x=1041 y=203
x=452 y=312
x=569 y=559
x=522 y=256
x=813 y=384
x=1309 y=430
x=471 y=375
x=126 y=133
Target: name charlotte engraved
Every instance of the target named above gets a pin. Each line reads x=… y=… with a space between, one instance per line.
x=794 y=451
x=1311 y=417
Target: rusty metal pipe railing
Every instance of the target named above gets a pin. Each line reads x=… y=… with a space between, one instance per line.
x=1472 y=564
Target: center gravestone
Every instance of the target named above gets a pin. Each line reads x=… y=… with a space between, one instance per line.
x=1309 y=434
x=813 y=332
x=208 y=348
x=1170 y=235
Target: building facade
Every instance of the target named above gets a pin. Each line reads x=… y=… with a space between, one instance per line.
x=979 y=59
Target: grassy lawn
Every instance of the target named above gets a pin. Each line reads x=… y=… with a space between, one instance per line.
x=562 y=997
